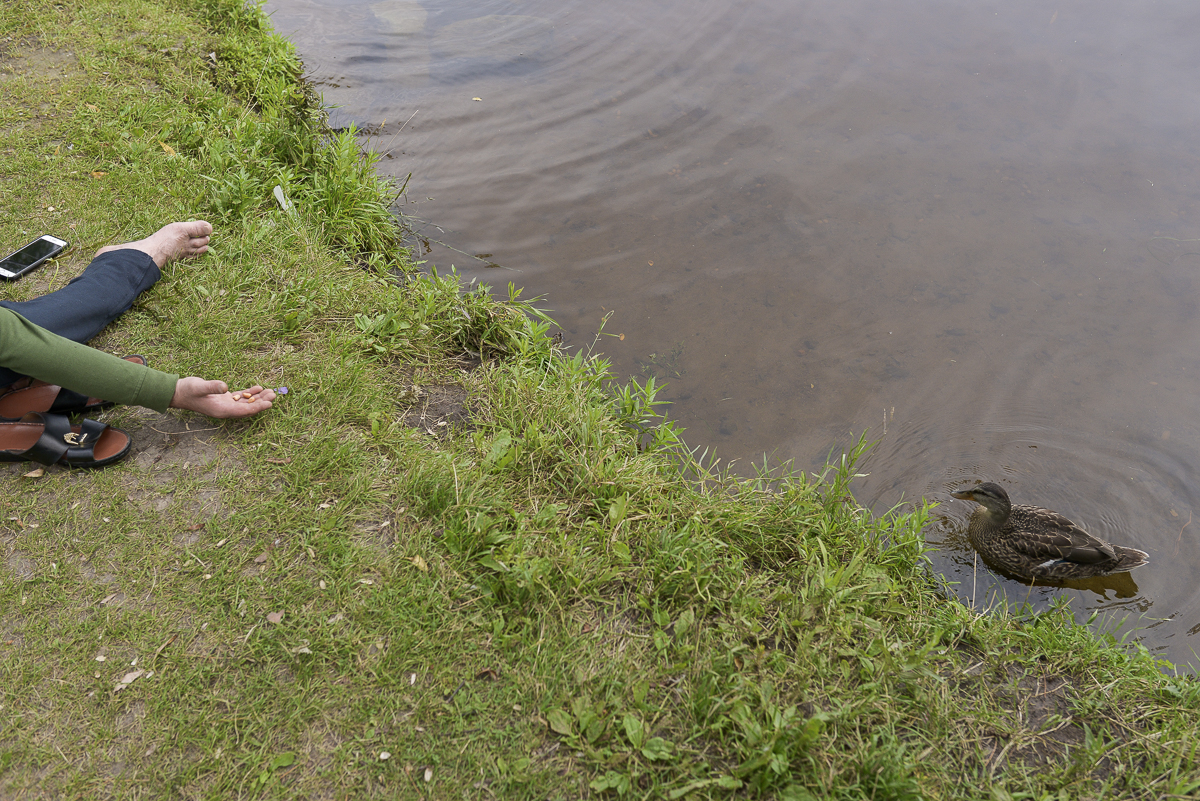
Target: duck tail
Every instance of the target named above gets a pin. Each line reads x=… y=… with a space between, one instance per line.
x=1129 y=558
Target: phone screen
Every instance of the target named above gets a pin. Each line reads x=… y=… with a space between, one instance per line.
x=32 y=253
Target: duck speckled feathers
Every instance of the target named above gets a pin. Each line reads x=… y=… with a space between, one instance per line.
x=1036 y=543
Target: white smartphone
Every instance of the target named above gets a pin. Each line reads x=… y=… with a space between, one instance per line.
x=22 y=261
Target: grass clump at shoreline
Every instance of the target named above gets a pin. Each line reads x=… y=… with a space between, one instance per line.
x=422 y=576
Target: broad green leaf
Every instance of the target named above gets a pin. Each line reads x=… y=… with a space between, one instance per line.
x=489 y=561
x=560 y=721
x=634 y=730
x=657 y=749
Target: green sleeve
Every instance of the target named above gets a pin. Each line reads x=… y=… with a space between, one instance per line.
x=27 y=349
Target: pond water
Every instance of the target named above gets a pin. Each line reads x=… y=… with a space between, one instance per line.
x=968 y=229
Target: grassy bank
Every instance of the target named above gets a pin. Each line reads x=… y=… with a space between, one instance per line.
x=454 y=561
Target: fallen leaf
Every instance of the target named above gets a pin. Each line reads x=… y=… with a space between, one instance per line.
x=275 y=617
x=489 y=674
x=303 y=649
x=279 y=461
x=101 y=658
x=128 y=679
x=196 y=527
x=262 y=557
x=170 y=151
x=325 y=506
x=587 y=627
x=428 y=774
x=98 y=173
x=385 y=755
x=93 y=108
x=222 y=542
x=420 y=563
x=321 y=583
x=41 y=471
x=108 y=600
x=368 y=582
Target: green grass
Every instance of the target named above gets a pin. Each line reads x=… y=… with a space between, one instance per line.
x=546 y=597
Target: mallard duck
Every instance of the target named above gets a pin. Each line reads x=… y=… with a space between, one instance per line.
x=1035 y=543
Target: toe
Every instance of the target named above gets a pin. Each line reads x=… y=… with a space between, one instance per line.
x=197 y=229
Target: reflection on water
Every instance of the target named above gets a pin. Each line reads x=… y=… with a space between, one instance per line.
x=970 y=229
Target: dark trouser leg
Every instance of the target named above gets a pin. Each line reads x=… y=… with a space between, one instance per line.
x=82 y=308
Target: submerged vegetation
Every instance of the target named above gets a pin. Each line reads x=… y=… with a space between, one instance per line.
x=455 y=560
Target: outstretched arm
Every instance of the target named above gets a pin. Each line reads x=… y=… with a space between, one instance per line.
x=29 y=350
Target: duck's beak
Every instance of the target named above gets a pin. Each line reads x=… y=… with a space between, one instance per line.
x=963 y=495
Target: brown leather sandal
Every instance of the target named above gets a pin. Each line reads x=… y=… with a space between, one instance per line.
x=51 y=439
x=31 y=395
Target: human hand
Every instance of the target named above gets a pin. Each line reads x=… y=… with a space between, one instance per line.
x=214 y=399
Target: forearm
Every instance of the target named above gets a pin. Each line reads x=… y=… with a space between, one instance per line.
x=30 y=350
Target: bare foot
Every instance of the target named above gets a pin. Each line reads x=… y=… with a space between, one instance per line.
x=178 y=240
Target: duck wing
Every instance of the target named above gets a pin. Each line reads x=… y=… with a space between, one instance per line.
x=1043 y=534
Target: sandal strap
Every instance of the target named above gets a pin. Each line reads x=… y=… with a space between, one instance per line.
x=53 y=442
x=68 y=401
x=82 y=445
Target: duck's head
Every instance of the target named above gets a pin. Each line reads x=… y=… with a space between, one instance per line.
x=991 y=497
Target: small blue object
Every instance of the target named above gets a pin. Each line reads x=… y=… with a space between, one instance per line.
x=281 y=391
